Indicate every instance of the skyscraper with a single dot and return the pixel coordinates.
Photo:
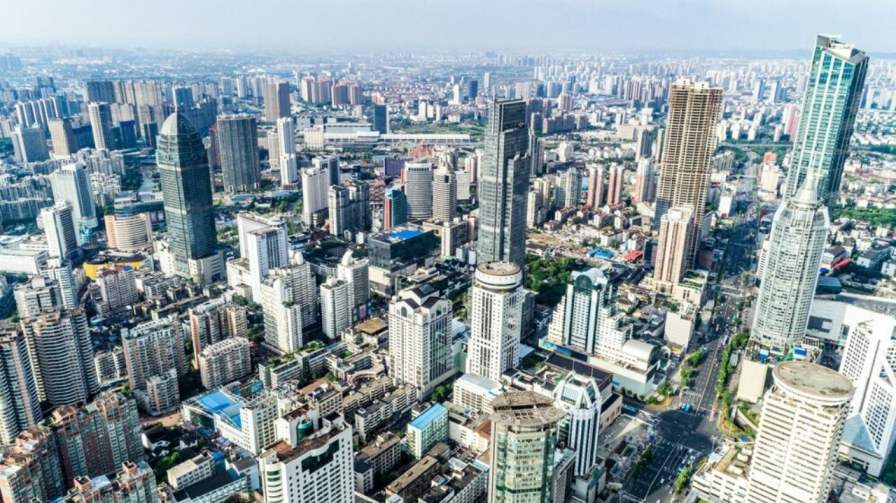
(335, 307)
(645, 184)
(420, 339)
(830, 101)
(799, 431)
(154, 355)
(418, 189)
(579, 397)
(29, 144)
(595, 197)
(19, 402)
(101, 124)
(799, 231)
(61, 356)
(444, 194)
(525, 427)
(694, 110)
(276, 99)
(503, 184)
(395, 208)
(355, 272)
(315, 182)
(381, 118)
(614, 185)
(63, 137)
(571, 187)
(59, 227)
(289, 173)
(238, 149)
(71, 184)
(496, 319)
(676, 230)
(264, 243)
(187, 196)
(289, 301)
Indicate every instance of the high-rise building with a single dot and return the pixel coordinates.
(128, 233)
(264, 243)
(870, 430)
(689, 142)
(381, 119)
(571, 187)
(63, 137)
(276, 100)
(101, 125)
(418, 189)
(237, 137)
(225, 361)
(420, 338)
(134, 481)
(95, 438)
(99, 90)
(59, 227)
(645, 182)
(29, 144)
(154, 355)
(118, 289)
(289, 167)
(187, 196)
(339, 210)
(61, 356)
(315, 182)
(595, 187)
(444, 195)
(216, 320)
(503, 184)
(19, 402)
(831, 100)
(335, 307)
(60, 271)
(36, 296)
(314, 467)
(676, 228)
(355, 272)
(71, 184)
(287, 295)
(524, 434)
(799, 432)
(614, 185)
(496, 319)
(395, 208)
(578, 396)
(799, 232)
(329, 164)
(30, 469)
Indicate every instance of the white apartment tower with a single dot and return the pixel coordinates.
(335, 307)
(420, 338)
(497, 308)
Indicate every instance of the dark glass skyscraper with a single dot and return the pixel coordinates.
(503, 185)
(237, 142)
(381, 118)
(186, 192)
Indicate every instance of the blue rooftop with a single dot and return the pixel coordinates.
(403, 234)
(428, 416)
(221, 404)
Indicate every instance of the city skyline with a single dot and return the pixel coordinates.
(691, 25)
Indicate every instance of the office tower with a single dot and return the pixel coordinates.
(286, 138)
(100, 115)
(182, 97)
(61, 356)
(276, 100)
(315, 183)
(95, 438)
(870, 430)
(354, 271)
(645, 183)
(571, 187)
(63, 137)
(676, 228)
(688, 146)
(187, 195)
(19, 401)
(289, 302)
(418, 189)
(128, 233)
(213, 321)
(536, 154)
(444, 195)
(30, 468)
(154, 355)
(225, 361)
(335, 307)
(29, 144)
(395, 208)
(99, 90)
(59, 227)
(595, 187)
(381, 118)
(495, 320)
(71, 184)
(797, 240)
(133, 482)
(339, 207)
(578, 396)
(830, 102)
(524, 434)
(799, 432)
(420, 339)
(238, 148)
(313, 468)
(264, 243)
(504, 182)
(614, 185)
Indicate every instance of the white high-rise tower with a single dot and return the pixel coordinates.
(497, 308)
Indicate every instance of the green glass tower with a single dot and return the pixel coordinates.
(186, 192)
(830, 102)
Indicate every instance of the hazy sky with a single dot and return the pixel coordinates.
(528, 25)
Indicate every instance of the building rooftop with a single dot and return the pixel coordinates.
(813, 381)
(428, 416)
(525, 408)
